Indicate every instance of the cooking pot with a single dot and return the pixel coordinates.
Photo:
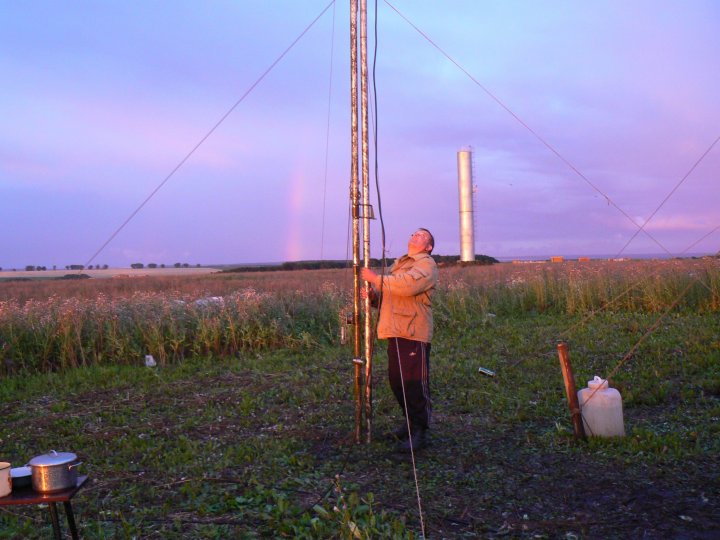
(54, 471)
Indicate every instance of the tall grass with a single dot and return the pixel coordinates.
(575, 288)
(61, 333)
(173, 319)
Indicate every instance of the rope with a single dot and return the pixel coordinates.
(327, 135)
(528, 128)
(412, 452)
(207, 135)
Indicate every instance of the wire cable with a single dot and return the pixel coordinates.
(207, 135)
(647, 334)
(409, 430)
(528, 128)
(642, 227)
(566, 162)
(696, 242)
(375, 142)
(327, 135)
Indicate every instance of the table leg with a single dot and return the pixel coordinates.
(71, 520)
(55, 520)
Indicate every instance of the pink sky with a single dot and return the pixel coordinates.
(95, 116)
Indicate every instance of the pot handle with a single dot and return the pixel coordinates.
(73, 465)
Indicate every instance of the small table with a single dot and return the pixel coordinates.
(27, 495)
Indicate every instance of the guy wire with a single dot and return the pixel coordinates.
(527, 127)
(207, 135)
(642, 227)
(566, 161)
(629, 288)
(327, 135)
(647, 334)
(655, 325)
(633, 285)
(696, 242)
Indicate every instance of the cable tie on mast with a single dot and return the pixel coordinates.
(368, 211)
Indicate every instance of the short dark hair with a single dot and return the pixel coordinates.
(432, 239)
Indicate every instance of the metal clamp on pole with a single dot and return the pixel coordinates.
(367, 211)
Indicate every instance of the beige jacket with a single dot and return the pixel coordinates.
(406, 308)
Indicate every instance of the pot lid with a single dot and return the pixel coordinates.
(53, 458)
(17, 472)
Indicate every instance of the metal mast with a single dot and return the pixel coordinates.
(366, 213)
(360, 211)
(355, 201)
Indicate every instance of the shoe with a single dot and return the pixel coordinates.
(414, 443)
(399, 434)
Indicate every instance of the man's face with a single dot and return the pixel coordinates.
(419, 242)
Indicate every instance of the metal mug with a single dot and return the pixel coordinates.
(5, 479)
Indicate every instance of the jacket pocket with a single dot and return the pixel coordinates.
(404, 321)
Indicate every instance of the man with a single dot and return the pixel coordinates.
(406, 322)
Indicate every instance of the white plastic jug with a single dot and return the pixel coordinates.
(601, 408)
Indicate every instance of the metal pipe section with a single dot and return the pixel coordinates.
(355, 202)
(465, 190)
(366, 214)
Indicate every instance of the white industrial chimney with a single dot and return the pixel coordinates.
(465, 189)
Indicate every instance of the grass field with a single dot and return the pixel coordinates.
(244, 429)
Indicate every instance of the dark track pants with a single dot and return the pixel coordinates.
(414, 357)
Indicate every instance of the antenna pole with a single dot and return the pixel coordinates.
(366, 214)
(355, 202)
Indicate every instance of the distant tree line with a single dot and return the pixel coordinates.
(34, 268)
(139, 266)
(38, 268)
(442, 260)
(455, 259)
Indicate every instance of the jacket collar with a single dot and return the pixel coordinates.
(415, 257)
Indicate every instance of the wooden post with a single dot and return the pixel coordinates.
(570, 390)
